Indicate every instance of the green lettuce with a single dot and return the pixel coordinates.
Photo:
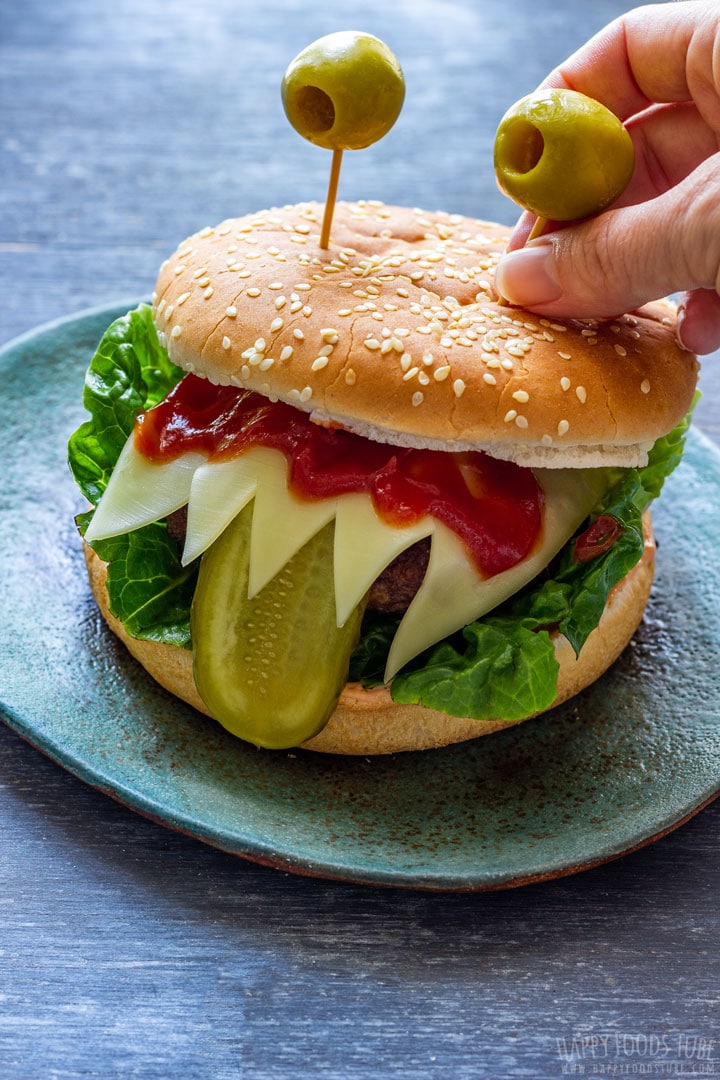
(149, 590)
(500, 666)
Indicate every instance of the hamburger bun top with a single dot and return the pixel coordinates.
(396, 332)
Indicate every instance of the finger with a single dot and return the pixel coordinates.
(651, 54)
(698, 324)
(670, 142)
(623, 258)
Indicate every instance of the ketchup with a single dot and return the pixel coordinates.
(495, 507)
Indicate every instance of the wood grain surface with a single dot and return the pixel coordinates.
(128, 950)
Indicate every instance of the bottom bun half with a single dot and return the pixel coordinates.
(369, 721)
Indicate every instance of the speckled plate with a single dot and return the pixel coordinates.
(627, 761)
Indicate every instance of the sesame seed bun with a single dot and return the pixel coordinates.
(396, 332)
(369, 721)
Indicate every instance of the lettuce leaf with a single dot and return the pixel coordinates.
(148, 588)
(129, 372)
(501, 666)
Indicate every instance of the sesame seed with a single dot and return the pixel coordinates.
(510, 416)
(319, 363)
(423, 378)
(410, 374)
(372, 344)
(276, 324)
(565, 383)
(329, 334)
(458, 388)
(208, 292)
(521, 395)
(418, 398)
(645, 386)
(441, 373)
(260, 345)
(298, 334)
(565, 356)
(303, 287)
(266, 363)
(507, 365)
(620, 350)
(231, 311)
(226, 343)
(307, 311)
(176, 331)
(521, 422)
(489, 379)
(546, 440)
(280, 303)
(253, 292)
(306, 393)
(295, 307)
(581, 394)
(563, 427)
(345, 311)
(286, 353)
(350, 377)
(406, 361)
(200, 272)
(181, 299)
(325, 350)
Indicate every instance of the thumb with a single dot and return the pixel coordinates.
(622, 258)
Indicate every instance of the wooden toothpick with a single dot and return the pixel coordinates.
(537, 229)
(330, 198)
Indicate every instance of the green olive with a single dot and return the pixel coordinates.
(562, 155)
(344, 91)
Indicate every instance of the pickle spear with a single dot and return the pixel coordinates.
(270, 669)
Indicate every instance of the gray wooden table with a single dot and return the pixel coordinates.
(125, 949)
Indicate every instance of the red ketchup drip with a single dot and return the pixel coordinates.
(495, 507)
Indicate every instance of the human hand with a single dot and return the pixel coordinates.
(654, 67)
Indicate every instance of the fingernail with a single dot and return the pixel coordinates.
(527, 276)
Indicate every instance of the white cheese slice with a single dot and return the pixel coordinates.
(281, 523)
(141, 491)
(218, 492)
(364, 546)
(454, 594)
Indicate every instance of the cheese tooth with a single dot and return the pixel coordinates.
(453, 593)
(282, 523)
(219, 491)
(364, 546)
(141, 491)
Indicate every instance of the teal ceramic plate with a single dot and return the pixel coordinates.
(625, 762)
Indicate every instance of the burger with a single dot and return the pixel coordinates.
(348, 499)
